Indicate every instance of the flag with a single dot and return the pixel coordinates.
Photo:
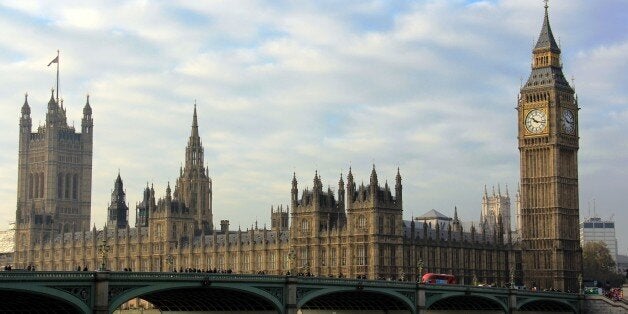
(55, 60)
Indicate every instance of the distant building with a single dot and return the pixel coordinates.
(7, 246)
(495, 208)
(434, 217)
(596, 229)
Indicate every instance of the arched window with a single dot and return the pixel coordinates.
(67, 185)
(75, 186)
(60, 185)
(41, 185)
(36, 185)
(174, 230)
(305, 225)
(30, 186)
(361, 222)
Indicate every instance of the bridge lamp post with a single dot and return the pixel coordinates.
(170, 261)
(103, 248)
(512, 276)
(420, 268)
(292, 256)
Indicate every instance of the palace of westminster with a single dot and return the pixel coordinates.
(359, 232)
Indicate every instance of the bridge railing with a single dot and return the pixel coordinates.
(18, 275)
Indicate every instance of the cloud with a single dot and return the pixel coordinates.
(429, 87)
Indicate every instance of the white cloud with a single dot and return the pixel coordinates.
(281, 87)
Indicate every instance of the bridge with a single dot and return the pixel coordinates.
(104, 292)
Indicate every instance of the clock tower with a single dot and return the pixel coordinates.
(548, 146)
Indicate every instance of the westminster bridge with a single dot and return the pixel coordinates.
(104, 292)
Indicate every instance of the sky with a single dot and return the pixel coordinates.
(304, 86)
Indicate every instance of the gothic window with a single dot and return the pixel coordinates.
(174, 230)
(305, 226)
(286, 261)
(272, 261)
(36, 186)
(246, 262)
(391, 224)
(382, 256)
(67, 185)
(159, 230)
(303, 258)
(221, 262)
(343, 257)
(333, 257)
(381, 225)
(30, 186)
(258, 261)
(323, 257)
(232, 264)
(75, 187)
(361, 222)
(361, 255)
(59, 185)
(41, 185)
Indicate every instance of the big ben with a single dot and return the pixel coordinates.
(548, 146)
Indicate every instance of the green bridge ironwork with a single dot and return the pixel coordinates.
(104, 292)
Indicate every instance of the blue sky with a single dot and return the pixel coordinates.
(282, 86)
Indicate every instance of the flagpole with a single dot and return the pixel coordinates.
(57, 76)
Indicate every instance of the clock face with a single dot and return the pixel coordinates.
(568, 121)
(536, 121)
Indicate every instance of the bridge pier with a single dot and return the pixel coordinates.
(512, 301)
(101, 297)
(420, 299)
(291, 295)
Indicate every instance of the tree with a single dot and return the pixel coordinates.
(598, 264)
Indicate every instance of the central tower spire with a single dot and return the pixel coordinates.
(194, 150)
(194, 184)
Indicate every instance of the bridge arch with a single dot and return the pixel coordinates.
(350, 298)
(20, 299)
(225, 295)
(546, 305)
(467, 302)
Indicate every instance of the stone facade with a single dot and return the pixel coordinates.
(362, 235)
(496, 209)
(548, 146)
(54, 178)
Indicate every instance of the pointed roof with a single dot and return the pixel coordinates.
(373, 176)
(26, 109)
(546, 38)
(433, 214)
(52, 104)
(294, 180)
(194, 122)
(87, 110)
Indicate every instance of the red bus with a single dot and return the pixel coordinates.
(438, 279)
